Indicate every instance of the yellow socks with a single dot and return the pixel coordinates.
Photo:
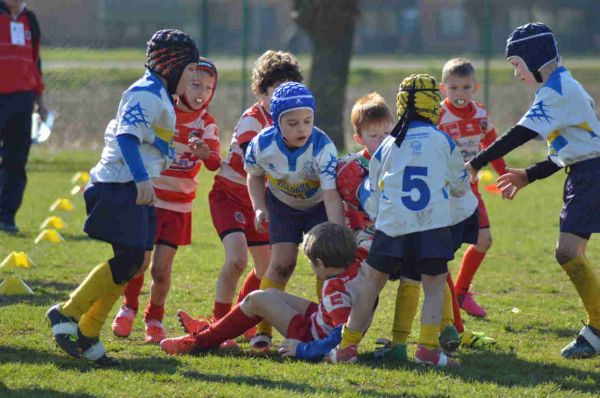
(92, 321)
(350, 337)
(588, 287)
(266, 283)
(429, 335)
(90, 290)
(319, 289)
(447, 312)
(407, 301)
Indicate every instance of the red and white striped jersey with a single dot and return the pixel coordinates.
(470, 128)
(176, 187)
(253, 120)
(334, 308)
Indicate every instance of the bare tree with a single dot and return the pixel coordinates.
(330, 24)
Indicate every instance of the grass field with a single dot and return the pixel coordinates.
(533, 312)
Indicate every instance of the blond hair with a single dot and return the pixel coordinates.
(367, 109)
(458, 67)
(274, 67)
(333, 244)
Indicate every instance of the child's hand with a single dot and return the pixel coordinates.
(261, 217)
(511, 182)
(199, 148)
(288, 347)
(472, 173)
(145, 193)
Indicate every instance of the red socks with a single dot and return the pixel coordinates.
(470, 263)
(132, 292)
(220, 310)
(229, 327)
(251, 283)
(154, 311)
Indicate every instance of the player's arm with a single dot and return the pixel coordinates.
(333, 206)
(457, 177)
(327, 166)
(488, 139)
(256, 186)
(514, 138)
(515, 179)
(314, 350)
(211, 138)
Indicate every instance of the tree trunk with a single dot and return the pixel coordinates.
(330, 24)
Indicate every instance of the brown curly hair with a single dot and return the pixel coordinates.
(274, 67)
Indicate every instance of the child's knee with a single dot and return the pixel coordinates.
(565, 253)
(283, 270)
(253, 298)
(161, 275)
(126, 263)
(237, 263)
(484, 242)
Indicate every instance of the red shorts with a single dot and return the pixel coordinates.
(231, 211)
(484, 221)
(173, 228)
(299, 327)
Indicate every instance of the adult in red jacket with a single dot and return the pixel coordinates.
(21, 87)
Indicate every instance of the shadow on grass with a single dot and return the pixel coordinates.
(62, 361)
(6, 392)
(267, 383)
(507, 370)
(46, 294)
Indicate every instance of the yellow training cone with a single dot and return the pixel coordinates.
(81, 177)
(12, 286)
(15, 260)
(62, 204)
(76, 189)
(486, 176)
(53, 222)
(49, 235)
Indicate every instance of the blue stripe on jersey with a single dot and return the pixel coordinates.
(445, 193)
(266, 138)
(320, 141)
(377, 154)
(554, 81)
(164, 147)
(558, 143)
(292, 155)
(149, 83)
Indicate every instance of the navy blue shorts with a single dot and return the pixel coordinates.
(287, 224)
(114, 217)
(466, 231)
(580, 214)
(425, 252)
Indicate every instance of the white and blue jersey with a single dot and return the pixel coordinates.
(297, 177)
(411, 185)
(565, 115)
(146, 112)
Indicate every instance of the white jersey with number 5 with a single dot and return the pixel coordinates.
(411, 185)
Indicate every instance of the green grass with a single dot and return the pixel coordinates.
(519, 272)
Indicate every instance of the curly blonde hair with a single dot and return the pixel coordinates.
(274, 67)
